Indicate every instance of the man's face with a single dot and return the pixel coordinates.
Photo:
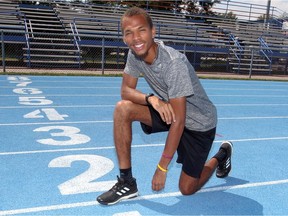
(138, 35)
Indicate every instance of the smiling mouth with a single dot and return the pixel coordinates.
(139, 46)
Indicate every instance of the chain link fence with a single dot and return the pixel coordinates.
(66, 53)
(57, 42)
(23, 51)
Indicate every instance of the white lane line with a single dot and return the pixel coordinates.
(55, 150)
(248, 89)
(111, 121)
(218, 105)
(257, 96)
(133, 146)
(252, 117)
(113, 105)
(145, 197)
(80, 95)
(60, 106)
(76, 149)
(49, 123)
(146, 86)
(129, 213)
(118, 95)
(92, 87)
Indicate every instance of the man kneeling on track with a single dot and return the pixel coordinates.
(181, 107)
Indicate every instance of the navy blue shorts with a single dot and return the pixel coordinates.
(194, 146)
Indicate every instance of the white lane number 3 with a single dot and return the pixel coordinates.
(66, 135)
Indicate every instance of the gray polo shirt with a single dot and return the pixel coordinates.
(172, 76)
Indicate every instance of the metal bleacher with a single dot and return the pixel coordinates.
(250, 35)
(10, 18)
(49, 43)
(212, 36)
(13, 23)
(98, 26)
(101, 21)
(64, 34)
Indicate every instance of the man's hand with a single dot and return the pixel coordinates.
(164, 109)
(159, 179)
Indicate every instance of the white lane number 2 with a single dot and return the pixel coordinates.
(85, 182)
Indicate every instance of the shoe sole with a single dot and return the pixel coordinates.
(130, 196)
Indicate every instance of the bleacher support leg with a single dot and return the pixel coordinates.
(251, 63)
(286, 66)
(3, 51)
(103, 55)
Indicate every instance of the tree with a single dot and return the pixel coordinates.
(229, 15)
(207, 5)
(262, 17)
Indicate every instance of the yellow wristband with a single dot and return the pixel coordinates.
(161, 168)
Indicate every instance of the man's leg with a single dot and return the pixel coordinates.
(189, 185)
(125, 113)
(221, 161)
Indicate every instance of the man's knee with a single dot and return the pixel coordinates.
(188, 189)
(188, 185)
(122, 108)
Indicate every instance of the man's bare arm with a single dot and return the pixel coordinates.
(129, 91)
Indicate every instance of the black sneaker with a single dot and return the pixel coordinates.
(120, 191)
(224, 166)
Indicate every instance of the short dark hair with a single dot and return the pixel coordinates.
(133, 11)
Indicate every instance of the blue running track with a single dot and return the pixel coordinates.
(57, 153)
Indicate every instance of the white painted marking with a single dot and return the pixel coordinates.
(60, 106)
(249, 89)
(52, 123)
(81, 87)
(111, 121)
(130, 213)
(87, 181)
(113, 105)
(78, 95)
(146, 197)
(118, 95)
(251, 105)
(256, 96)
(51, 113)
(133, 146)
(71, 87)
(253, 117)
(75, 149)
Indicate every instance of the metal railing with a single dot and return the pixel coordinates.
(3, 51)
(27, 36)
(103, 52)
(76, 40)
(266, 51)
(237, 49)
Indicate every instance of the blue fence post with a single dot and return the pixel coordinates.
(103, 55)
(3, 51)
(251, 63)
(286, 67)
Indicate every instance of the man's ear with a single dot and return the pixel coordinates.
(124, 42)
